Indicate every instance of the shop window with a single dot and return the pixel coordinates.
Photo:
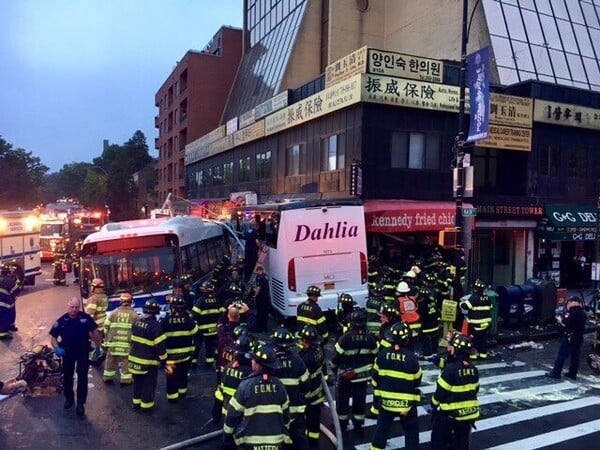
(244, 169)
(295, 163)
(549, 160)
(228, 173)
(577, 163)
(263, 166)
(333, 152)
(410, 150)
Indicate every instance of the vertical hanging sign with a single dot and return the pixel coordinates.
(478, 74)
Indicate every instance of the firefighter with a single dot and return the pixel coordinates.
(388, 284)
(313, 356)
(258, 413)
(97, 304)
(373, 271)
(444, 280)
(396, 379)
(454, 404)
(181, 286)
(117, 327)
(233, 373)
(207, 312)
(430, 315)
(76, 258)
(206, 288)
(388, 316)
(373, 308)
(409, 311)
(147, 352)
(180, 328)
(477, 310)
(295, 377)
(410, 278)
(7, 303)
(352, 364)
(310, 313)
(345, 307)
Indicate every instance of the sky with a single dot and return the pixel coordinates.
(76, 72)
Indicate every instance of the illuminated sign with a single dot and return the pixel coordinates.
(508, 138)
(567, 115)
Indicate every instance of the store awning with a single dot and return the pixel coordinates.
(401, 216)
(571, 216)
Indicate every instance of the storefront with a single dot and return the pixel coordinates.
(566, 244)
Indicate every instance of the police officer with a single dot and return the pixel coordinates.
(180, 328)
(396, 381)
(373, 308)
(310, 313)
(573, 323)
(207, 312)
(295, 377)
(71, 338)
(477, 310)
(117, 328)
(352, 363)
(454, 404)
(313, 356)
(258, 413)
(147, 352)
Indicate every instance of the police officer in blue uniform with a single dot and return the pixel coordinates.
(71, 336)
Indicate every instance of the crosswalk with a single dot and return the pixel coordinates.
(520, 409)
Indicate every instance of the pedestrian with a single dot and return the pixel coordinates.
(454, 404)
(72, 335)
(310, 313)
(180, 328)
(148, 351)
(573, 325)
(477, 310)
(258, 413)
(396, 380)
(262, 299)
(117, 328)
(352, 363)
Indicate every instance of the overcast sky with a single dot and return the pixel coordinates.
(76, 72)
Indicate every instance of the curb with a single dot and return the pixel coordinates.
(499, 340)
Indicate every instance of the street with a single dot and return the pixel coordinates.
(521, 408)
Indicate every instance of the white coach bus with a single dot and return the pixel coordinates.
(321, 243)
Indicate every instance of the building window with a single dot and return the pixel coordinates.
(485, 162)
(549, 161)
(244, 169)
(295, 163)
(263, 166)
(410, 150)
(577, 163)
(333, 152)
(200, 178)
(228, 173)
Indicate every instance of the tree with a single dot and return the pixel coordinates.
(22, 177)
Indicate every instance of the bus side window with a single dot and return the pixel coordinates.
(271, 233)
(203, 258)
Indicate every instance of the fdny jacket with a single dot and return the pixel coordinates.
(479, 311)
(314, 359)
(179, 329)
(310, 313)
(373, 307)
(396, 378)
(258, 413)
(355, 351)
(96, 307)
(428, 310)
(456, 391)
(207, 312)
(233, 374)
(296, 379)
(147, 345)
(117, 327)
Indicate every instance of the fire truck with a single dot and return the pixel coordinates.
(20, 244)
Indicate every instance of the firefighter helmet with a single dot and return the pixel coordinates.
(207, 286)
(478, 285)
(346, 299)
(177, 301)
(97, 283)
(410, 275)
(403, 288)
(265, 355)
(310, 334)
(378, 289)
(373, 259)
(151, 307)
(240, 330)
(283, 338)
(430, 277)
(358, 318)
(416, 269)
(389, 309)
(398, 333)
(462, 343)
(313, 291)
(244, 344)
(126, 298)
(234, 288)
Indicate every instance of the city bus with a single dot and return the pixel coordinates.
(321, 243)
(20, 244)
(144, 256)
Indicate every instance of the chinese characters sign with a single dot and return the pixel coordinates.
(568, 115)
(511, 111)
(346, 67)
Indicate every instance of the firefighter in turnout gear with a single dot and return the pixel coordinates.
(180, 328)
(454, 404)
(313, 356)
(444, 280)
(373, 271)
(234, 373)
(206, 289)
(373, 308)
(430, 316)
(389, 285)
(207, 312)
(97, 303)
(181, 286)
(352, 363)
(345, 307)
(147, 352)
(409, 311)
(388, 316)
(396, 379)
(117, 341)
(477, 310)
(295, 377)
(310, 313)
(258, 413)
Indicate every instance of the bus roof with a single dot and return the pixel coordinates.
(301, 204)
(188, 228)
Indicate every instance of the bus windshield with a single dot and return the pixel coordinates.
(50, 229)
(140, 272)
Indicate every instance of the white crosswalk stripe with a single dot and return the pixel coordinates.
(510, 396)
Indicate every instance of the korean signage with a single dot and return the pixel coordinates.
(479, 87)
(346, 67)
(254, 131)
(271, 105)
(404, 66)
(567, 115)
(508, 138)
(327, 101)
